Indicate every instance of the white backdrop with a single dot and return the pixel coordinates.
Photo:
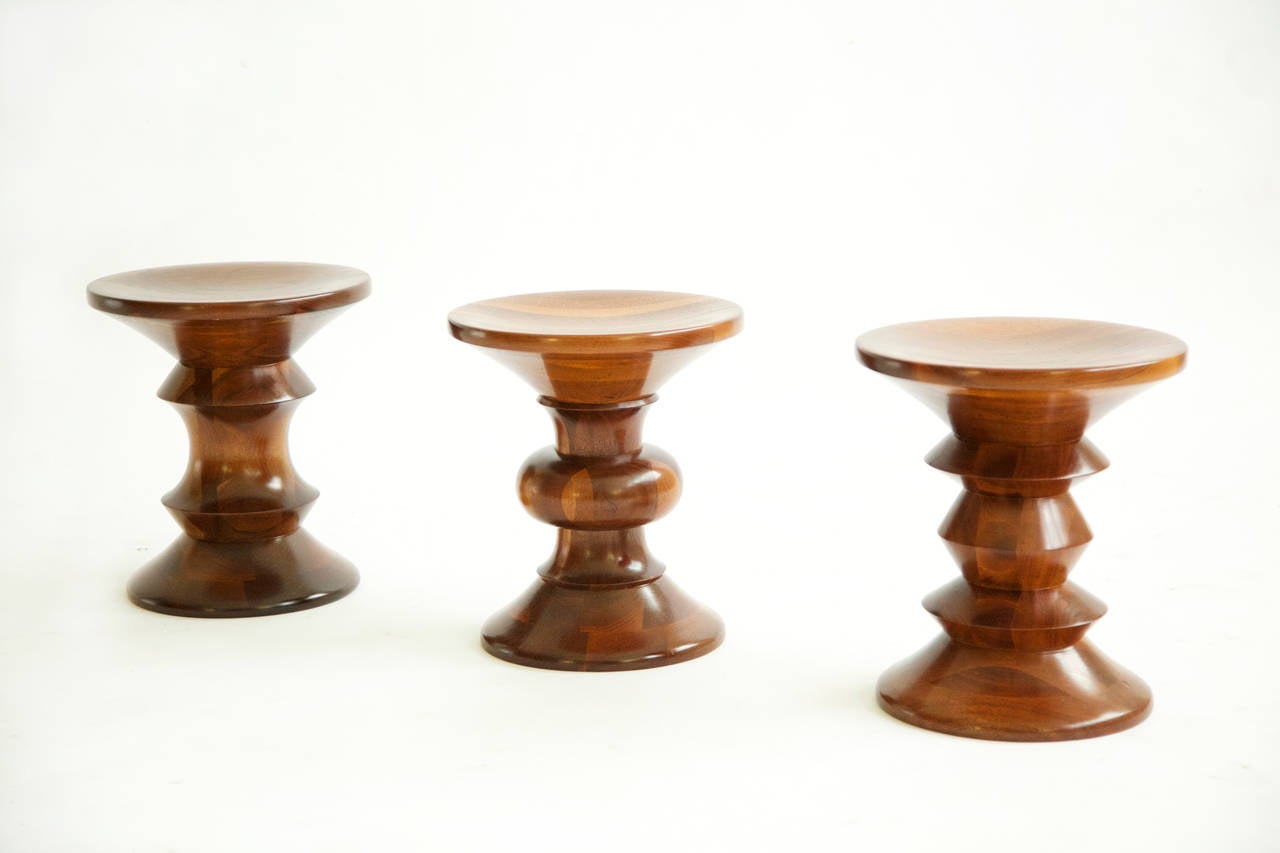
(830, 166)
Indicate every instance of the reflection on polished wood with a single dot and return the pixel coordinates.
(1018, 393)
(233, 329)
(597, 359)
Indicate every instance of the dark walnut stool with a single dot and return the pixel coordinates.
(233, 329)
(597, 357)
(1019, 393)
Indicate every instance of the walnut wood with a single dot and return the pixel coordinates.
(233, 329)
(597, 358)
(1018, 393)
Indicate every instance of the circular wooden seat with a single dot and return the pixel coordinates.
(228, 291)
(596, 321)
(1022, 352)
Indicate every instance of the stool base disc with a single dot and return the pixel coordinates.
(602, 629)
(1006, 694)
(234, 579)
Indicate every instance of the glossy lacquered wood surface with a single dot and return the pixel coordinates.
(602, 602)
(1018, 394)
(1038, 353)
(229, 291)
(233, 329)
(596, 321)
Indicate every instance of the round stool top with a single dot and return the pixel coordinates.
(1022, 352)
(233, 291)
(596, 321)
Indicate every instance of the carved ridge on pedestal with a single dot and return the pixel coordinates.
(251, 385)
(1015, 533)
(240, 484)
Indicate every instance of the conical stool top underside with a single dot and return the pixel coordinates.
(596, 347)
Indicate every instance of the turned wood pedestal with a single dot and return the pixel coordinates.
(233, 329)
(1018, 393)
(597, 358)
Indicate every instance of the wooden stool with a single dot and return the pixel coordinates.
(233, 328)
(597, 357)
(1019, 394)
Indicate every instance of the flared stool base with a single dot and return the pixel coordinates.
(1005, 694)
(234, 579)
(586, 629)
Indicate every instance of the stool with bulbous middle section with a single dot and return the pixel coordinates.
(1018, 393)
(597, 358)
(234, 329)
